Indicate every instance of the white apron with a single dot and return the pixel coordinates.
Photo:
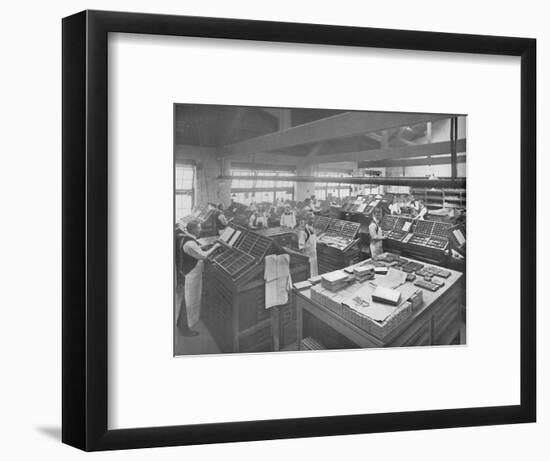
(310, 250)
(193, 294)
(376, 248)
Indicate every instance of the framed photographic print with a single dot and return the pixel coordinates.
(279, 230)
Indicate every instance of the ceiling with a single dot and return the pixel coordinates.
(220, 127)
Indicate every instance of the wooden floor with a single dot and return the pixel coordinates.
(192, 345)
(204, 343)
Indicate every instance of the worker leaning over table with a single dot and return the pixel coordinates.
(421, 212)
(307, 242)
(377, 235)
(190, 263)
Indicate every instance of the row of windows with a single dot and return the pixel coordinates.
(185, 189)
(255, 189)
(246, 198)
(325, 189)
(258, 190)
(255, 181)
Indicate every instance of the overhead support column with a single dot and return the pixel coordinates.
(285, 120)
(224, 185)
(304, 189)
(429, 132)
(385, 141)
(454, 132)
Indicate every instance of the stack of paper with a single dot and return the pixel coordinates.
(393, 279)
(363, 273)
(386, 296)
(314, 280)
(302, 285)
(334, 281)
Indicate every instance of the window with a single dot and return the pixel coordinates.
(260, 190)
(337, 190)
(185, 190)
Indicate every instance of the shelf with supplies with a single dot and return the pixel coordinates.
(441, 198)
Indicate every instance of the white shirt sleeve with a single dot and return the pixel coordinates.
(301, 239)
(292, 221)
(193, 249)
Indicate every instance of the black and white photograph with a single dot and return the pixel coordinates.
(308, 229)
(275, 231)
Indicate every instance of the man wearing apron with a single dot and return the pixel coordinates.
(288, 218)
(307, 242)
(221, 220)
(376, 233)
(190, 260)
(258, 219)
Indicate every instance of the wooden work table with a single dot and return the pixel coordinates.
(437, 321)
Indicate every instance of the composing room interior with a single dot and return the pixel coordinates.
(303, 229)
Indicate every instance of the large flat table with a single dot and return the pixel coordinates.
(437, 321)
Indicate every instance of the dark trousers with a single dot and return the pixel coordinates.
(181, 320)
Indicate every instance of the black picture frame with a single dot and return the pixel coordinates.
(85, 224)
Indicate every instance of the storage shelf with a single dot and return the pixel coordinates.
(441, 198)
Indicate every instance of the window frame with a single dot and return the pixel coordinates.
(184, 191)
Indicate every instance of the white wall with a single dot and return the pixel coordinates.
(30, 188)
(208, 187)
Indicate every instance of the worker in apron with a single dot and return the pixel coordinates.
(258, 219)
(421, 212)
(190, 260)
(221, 220)
(307, 242)
(288, 218)
(377, 235)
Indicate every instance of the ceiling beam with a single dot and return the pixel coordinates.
(267, 159)
(457, 183)
(316, 149)
(283, 116)
(411, 162)
(436, 148)
(374, 136)
(337, 126)
(274, 111)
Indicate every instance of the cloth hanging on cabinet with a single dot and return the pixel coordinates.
(278, 280)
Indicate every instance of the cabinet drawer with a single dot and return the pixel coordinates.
(420, 336)
(444, 316)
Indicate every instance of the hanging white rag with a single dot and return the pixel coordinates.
(278, 281)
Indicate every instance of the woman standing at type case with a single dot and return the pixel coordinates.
(307, 242)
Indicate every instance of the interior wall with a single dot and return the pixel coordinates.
(208, 188)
